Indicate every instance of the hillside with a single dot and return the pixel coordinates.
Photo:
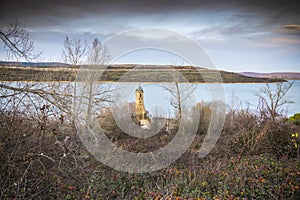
(283, 75)
(32, 64)
(134, 73)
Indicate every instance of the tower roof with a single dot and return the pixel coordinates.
(140, 89)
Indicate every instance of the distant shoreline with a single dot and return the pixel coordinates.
(119, 82)
(283, 75)
(134, 74)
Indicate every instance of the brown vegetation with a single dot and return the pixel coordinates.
(241, 165)
(42, 157)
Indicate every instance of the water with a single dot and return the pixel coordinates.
(236, 95)
(157, 99)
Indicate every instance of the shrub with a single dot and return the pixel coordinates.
(254, 137)
(295, 119)
(205, 116)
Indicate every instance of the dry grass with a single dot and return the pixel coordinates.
(61, 168)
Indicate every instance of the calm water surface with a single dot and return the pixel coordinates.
(235, 95)
(157, 99)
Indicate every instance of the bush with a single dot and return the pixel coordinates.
(253, 136)
(241, 121)
(205, 116)
(295, 119)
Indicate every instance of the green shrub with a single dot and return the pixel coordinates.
(295, 119)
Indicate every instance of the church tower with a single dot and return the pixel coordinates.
(139, 104)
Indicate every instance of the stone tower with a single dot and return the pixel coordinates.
(140, 110)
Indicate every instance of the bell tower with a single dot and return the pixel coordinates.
(139, 104)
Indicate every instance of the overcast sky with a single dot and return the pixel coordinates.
(262, 36)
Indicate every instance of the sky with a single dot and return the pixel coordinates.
(243, 35)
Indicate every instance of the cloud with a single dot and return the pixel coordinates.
(288, 30)
(202, 19)
(292, 26)
(285, 41)
(241, 26)
(61, 13)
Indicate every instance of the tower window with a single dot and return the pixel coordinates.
(140, 95)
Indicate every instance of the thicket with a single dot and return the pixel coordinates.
(42, 157)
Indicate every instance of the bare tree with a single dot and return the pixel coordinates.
(73, 51)
(98, 53)
(273, 98)
(18, 43)
(179, 93)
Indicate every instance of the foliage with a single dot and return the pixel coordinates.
(295, 119)
(42, 157)
(271, 138)
(64, 169)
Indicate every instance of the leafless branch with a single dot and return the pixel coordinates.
(98, 53)
(18, 42)
(274, 98)
(73, 51)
